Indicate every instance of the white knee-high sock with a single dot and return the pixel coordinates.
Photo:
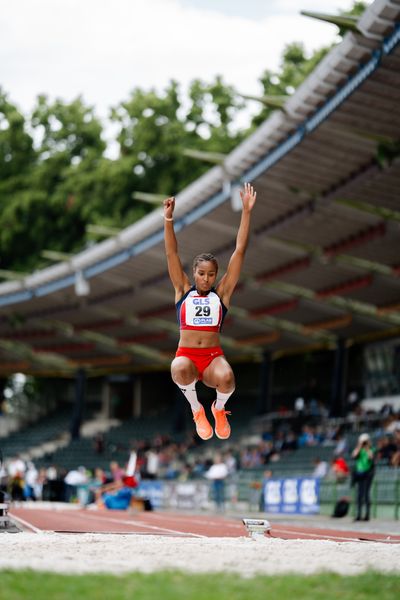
(189, 391)
(222, 399)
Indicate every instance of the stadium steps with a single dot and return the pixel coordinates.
(118, 441)
(46, 430)
(43, 437)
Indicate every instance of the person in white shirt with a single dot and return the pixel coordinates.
(31, 478)
(16, 467)
(217, 473)
(321, 468)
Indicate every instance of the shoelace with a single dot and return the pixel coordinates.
(225, 412)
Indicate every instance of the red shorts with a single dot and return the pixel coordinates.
(201, 357)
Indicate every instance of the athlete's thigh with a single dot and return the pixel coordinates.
(217, 371)
(182, 366)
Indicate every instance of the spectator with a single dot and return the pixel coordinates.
(231, 462)
(40, 482)
(217, 473)
(118, 494)
(395, 460)
(186, 473)
(16, 472)
(16, 467)
(353, 401)
(3, 476)
(299, 405)
(393, 424)
(364, 455)
(16, 487)
(51, 473)
(152, 464)
(307, 437)
(340, 468)
(96, 482)
(386, 410)
(321, 468)
(385, 449)
(118, 500)
(31, 479)
(53, 484)
(117, 473)
(73, 480)
(290, 442)
(313, 408)
(341, 444)
(98, 443)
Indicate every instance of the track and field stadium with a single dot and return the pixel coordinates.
(322, 280)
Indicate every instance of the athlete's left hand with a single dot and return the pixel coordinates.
(248, 196)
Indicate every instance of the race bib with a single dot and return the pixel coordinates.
(203, 311)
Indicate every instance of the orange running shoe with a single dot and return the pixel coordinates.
(203, 427)
(222, 427)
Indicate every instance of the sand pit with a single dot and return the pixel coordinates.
(110, 553)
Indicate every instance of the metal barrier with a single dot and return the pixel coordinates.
(385, 496)
(385, 492)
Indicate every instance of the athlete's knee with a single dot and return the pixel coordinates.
(226, 380)
(183, 372)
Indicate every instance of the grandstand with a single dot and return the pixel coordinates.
(321, 276)
(41, 437)
(48, 429)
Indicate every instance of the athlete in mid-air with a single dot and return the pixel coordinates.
(201, 309)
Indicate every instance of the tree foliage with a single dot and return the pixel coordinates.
(56, 176)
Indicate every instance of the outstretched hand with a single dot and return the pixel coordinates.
(248, 196)
(169, 205)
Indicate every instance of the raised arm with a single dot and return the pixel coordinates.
(366, 446)
(228, 282)
(179, 279)
(356, 450)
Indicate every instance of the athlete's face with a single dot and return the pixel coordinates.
(204, 275)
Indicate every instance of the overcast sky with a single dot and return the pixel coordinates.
(102, 49)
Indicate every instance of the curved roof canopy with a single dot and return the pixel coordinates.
(324, 257)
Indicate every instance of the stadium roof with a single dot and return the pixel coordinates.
(324, 256)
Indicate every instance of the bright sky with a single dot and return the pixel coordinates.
(103, 49)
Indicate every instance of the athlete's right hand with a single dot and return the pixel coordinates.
(169, 205)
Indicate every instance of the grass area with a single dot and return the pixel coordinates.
(33, 585)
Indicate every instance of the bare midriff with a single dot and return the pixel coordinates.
(198, 339)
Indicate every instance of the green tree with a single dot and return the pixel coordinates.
(36, 200)
(16, 145)
(212, 112)
(156, 127)
(70, 131)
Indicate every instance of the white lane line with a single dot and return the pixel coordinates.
(133, 533)
(26, 524)
(325, 537)
(196, 519)
(138, 524)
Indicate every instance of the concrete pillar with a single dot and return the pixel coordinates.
(264, 404)
(339, 379)
(105, 399)
(80, 385)
(137, 396)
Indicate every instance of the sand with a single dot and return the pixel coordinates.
(110, 553)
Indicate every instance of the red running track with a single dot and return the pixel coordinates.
(171, 524)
